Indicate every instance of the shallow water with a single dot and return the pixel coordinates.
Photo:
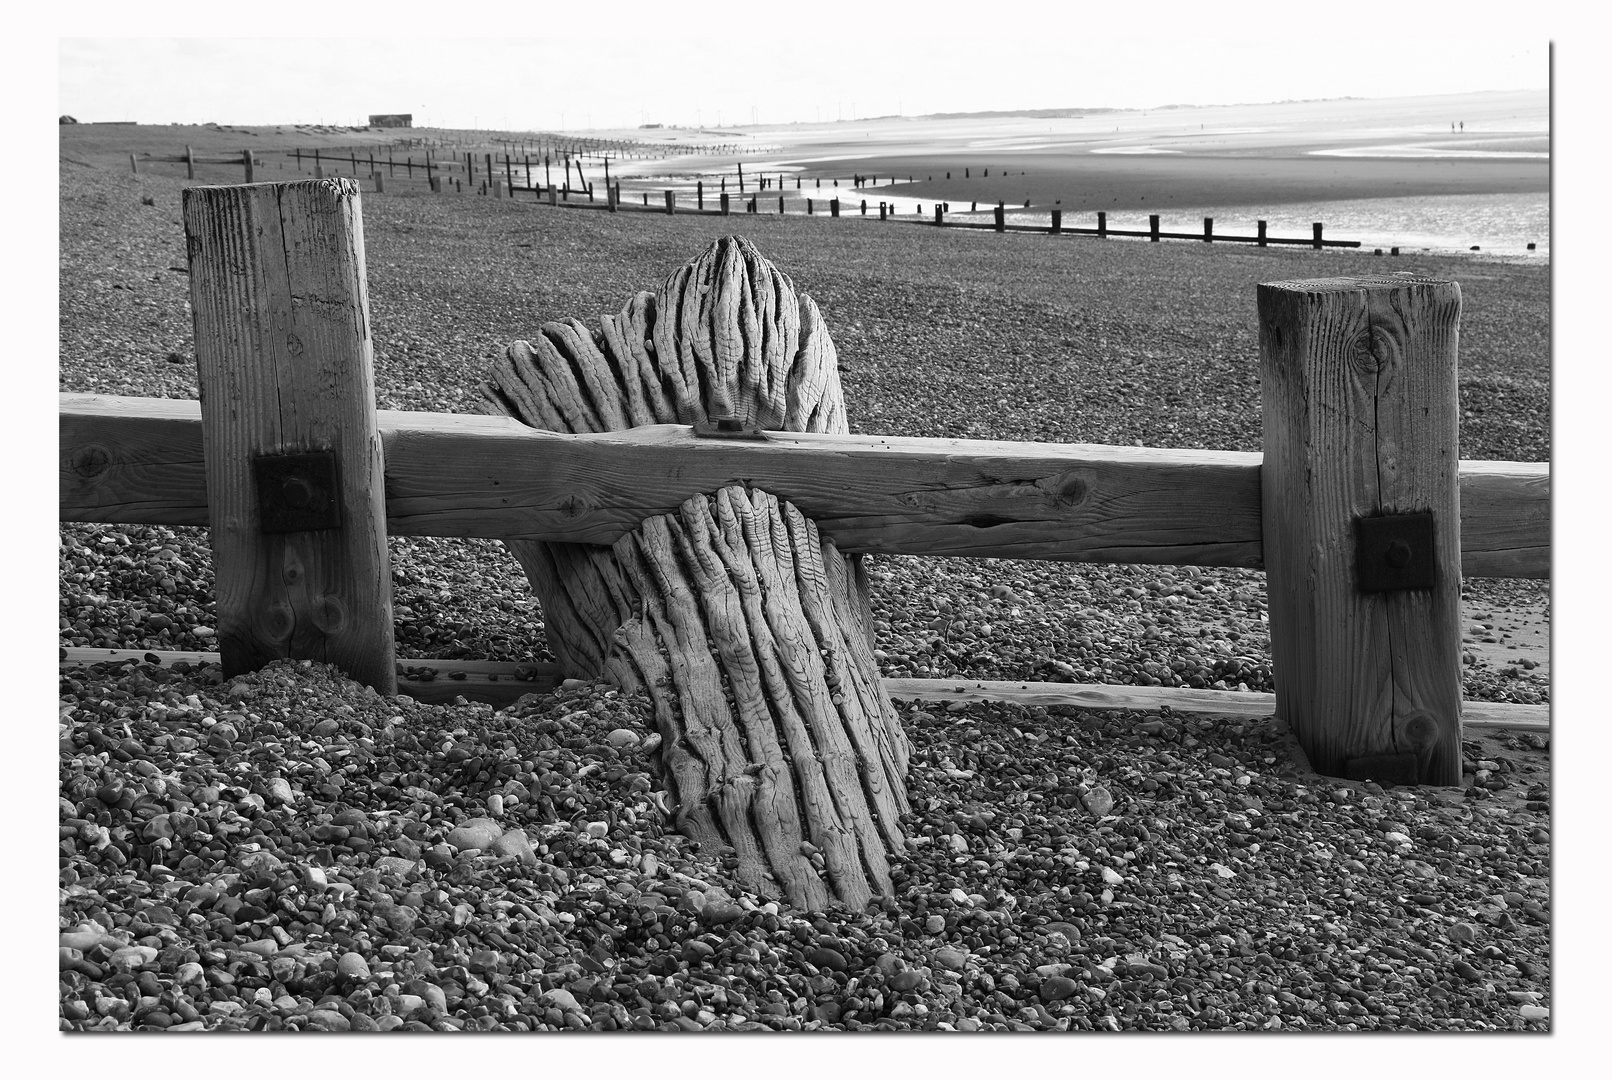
(1496, 224)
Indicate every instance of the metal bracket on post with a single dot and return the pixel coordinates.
(728, 428)
(297, 492)
(1395, 552)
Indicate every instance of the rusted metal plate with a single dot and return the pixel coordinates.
(1395, 552)
(297, 492)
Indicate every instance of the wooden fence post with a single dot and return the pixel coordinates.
(380, 182)
(938, 219)
(134, 166)
(1262, 234)
(190, 163)
(864, 206)
(553, 197)
(833, 208)
(1208, 230)
(1000, 214)
(1362, 522)
(809, 206)
(1153, 228)
(612, 194)
(1102, 225)
(724, 204)
(1316, 229)
(882, 210)
(671, 202)
(295, 476)
(699, 193)
(780, 204)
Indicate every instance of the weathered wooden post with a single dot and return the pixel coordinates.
(699, 194)
(1208, 230)
(809, 206)
(295, 477)
(780, 204)
(833, 208)
(498, 188)
(1261, 233)
(999, 213)
(864, 208)
(1362, 522)
(724, 204)
(671, 202)
(1057, 221)
(134, 166)
(436, 184)
(612, 195)
(553, 196)
(938, 219)
(882, 210)
(1102, 225)
(1153, 228)
(380, 182)
(190, 163)
(1315, 228)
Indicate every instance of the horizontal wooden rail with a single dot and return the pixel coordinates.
(139, 461)
(502, 683)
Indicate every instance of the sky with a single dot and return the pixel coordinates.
(708, 76)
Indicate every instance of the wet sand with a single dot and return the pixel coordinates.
(1255, 155)
(1090, 182)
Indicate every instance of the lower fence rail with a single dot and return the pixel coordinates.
(501, 683)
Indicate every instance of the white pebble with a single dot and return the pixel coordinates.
(495, 805)
(598, 830)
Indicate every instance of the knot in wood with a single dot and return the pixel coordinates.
(1417, 731)
(91, 461)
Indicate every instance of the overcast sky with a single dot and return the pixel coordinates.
(619, 72)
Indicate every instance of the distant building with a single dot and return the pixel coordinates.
(391, 120)
(67, 120)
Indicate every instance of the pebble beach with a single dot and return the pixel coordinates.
(288, 850)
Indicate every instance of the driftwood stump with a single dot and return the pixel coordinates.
(750, 632)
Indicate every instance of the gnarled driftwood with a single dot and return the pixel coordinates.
(750, 632)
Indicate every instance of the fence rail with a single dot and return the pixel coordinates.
(139, 461)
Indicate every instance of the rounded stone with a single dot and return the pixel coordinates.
(352, 965)
(477, 832)
(1058, 987)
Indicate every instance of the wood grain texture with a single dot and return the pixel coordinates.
(497, 683)
(1359, 385)
(1505, 519)
(768, 744)
(284, 362)
(138, 461)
